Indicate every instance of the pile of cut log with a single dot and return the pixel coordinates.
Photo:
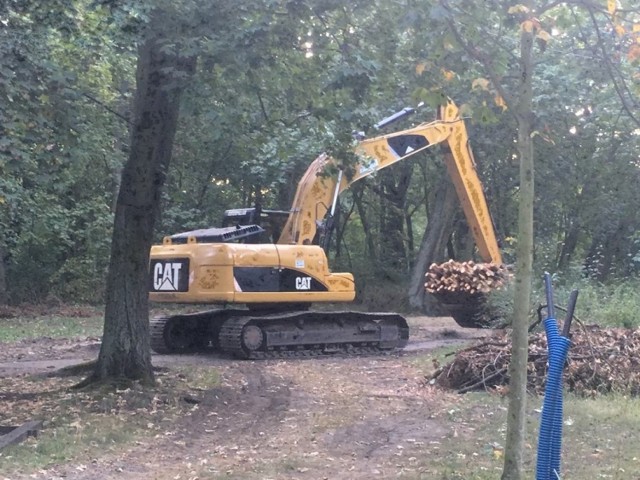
(468, 277)
(461, 288)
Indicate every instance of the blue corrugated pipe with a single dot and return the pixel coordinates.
(550, 435)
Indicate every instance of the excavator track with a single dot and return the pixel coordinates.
(262, 335)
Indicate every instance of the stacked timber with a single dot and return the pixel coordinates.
(462, 289)
(468, 277)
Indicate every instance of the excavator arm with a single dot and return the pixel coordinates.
(320, 186)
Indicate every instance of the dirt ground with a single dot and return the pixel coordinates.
(322, 418)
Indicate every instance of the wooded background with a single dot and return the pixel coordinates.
(277, 82)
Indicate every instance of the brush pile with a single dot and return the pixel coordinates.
(600, 361)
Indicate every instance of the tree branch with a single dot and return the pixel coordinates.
(619, 84)
(480, 57)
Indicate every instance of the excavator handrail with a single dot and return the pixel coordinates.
(316, 190)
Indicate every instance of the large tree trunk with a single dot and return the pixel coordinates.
(433, 245)
(125, 351)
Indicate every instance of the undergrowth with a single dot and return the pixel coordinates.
(610, 305)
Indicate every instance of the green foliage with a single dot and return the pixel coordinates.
(615, 305)
(279, 82)
(57, 157)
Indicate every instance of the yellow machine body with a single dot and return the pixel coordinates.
(226, 273)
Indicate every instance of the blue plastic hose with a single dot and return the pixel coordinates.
(550, 435)
(547, 423)
(557, 361)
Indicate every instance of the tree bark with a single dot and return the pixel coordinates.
(569, 245)
(4, 296)
(125, 351)
(433, 245)
(394, 189)
(516, 417)
(366, 227)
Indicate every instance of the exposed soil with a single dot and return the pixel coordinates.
(333, 417)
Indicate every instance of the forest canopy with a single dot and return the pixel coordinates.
(277, 82)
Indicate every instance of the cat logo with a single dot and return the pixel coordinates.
(166, 276)
(303, 283)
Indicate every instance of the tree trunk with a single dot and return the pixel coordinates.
(605, 248)
(432, 247)
(516, 425)
(125, 351)
(394, 188)
(4, 296)
(569, 244)
(366, 227)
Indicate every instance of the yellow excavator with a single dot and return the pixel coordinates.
(264, 268)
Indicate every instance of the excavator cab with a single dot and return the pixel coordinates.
(270, 222)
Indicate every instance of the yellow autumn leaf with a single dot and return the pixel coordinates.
(500, 102)
(480, 83)
(447, 74)
(634, 53)
(619, 30)
(420, 68)
(546, 138)
(527, 26)
(518, 9)
(544, 35)
(2, 201)
(611, 6)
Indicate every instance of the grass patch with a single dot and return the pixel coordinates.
(82, 425)
(55, 326)
(599, 439)
(428, 363)
(88, 436)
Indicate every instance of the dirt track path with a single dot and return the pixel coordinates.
(333, 418)
(39, 355)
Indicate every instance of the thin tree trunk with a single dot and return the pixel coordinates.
(516, 417)
(569, 245)
(394, 189)
(125, 351)
(4, 295)
(366, 227)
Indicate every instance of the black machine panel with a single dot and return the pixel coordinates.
(405, 144)
(218, 235)
(269, 279)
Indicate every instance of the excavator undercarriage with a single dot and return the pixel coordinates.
(256, 334)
